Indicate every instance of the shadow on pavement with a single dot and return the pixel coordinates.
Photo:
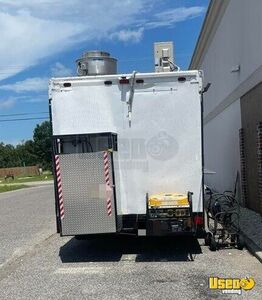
(145, 249)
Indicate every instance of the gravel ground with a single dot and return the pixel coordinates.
(251, 225)
(126, 268)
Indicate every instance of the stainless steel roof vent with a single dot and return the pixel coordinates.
(96, 63)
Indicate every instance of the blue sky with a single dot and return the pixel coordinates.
(43, 38)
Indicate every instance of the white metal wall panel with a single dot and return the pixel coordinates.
(86, 110)
(161, 152)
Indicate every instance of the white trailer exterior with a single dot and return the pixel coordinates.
(160, 152)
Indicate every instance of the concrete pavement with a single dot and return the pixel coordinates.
(38, 264)
(27, 216)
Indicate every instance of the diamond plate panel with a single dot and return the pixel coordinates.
(84, 192)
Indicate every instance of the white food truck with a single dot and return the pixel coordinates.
(127, 149)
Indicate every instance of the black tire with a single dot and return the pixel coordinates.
(233, 239)
(208, 238)
(147, 215)
(81, 237)
(213, 244)
(191, 257)
(240, 242)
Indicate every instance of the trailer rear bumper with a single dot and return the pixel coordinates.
(168, 227)
(141, 225)
(159, 227)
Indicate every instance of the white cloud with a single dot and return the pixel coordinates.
(25, 40)
(77, 10)
(34, 84)
(133, 36)
(8, 103)
(12, 101)
(36, 99)
(59, 70)
(172, 16)
(33, 30)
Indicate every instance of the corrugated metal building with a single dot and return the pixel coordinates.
(229, 51)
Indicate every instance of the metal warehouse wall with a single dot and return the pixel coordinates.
(251, 115)
(237, 41)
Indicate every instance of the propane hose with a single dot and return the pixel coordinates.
(224, 209)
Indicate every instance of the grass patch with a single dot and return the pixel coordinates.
(13, 187)
(22, 179)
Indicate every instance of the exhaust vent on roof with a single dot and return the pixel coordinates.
(96, 63)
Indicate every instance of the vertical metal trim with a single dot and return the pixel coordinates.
(57, 213)
(108, 183)
(202, 152)
(114, 187)
(59, 187)
(259, 163)
(243, 170)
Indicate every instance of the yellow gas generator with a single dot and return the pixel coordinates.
(169, 213)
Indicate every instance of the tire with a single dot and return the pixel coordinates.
(240, 242)
(80, 237)
(233, 239)
(213, 244)
(208, 238)
(191, 257)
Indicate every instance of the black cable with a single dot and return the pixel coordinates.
(24, 119)
(24, 114)
(223, 209)
(174, 67)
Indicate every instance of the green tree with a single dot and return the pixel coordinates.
(42, 145)
(32, 152)
(8, 156)
(26, 153)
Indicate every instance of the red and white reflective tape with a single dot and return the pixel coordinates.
(108, 186)
(59, 187)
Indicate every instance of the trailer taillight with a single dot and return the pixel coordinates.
(140, 81)
(198, 220)
(124, 81)
(181, 79)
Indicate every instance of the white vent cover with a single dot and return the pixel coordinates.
(164, 59)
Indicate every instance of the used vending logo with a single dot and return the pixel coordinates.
(162, 146)
(231, 285)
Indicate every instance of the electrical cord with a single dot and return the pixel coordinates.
(174, 66)
(223, 208)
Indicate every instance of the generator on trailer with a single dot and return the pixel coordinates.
(127, 148)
